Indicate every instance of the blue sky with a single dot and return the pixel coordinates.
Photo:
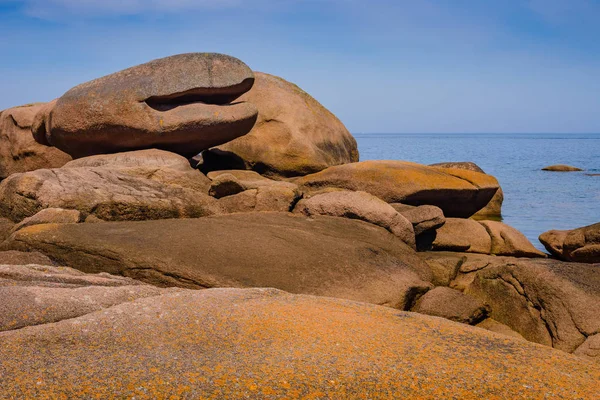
(379, 65)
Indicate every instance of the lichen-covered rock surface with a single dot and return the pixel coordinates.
(263, 343)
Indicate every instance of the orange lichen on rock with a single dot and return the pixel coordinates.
(263, 343)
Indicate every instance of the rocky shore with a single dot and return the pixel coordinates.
(189, 228)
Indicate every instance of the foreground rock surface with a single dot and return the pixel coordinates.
(180, 103)
(579, 245)
(459, 193)
(263, 343)
(324, 256)
(549, 302)
(19, 152)
(294, 134)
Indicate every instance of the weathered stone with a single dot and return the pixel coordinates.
(107, 194)
(546, 301)
(231, 182)
(6, 228)
(459, 234)
(151, 158)
(359, 205)
(50, 216)
(423, 218)
(12, 257)
(551, 302)
(179, 103)
(492, 325)
(276, 198)
(579, 245)
(590, 348)
(263, 343)
(294, 134)
(494, 208)
(33, 294)
(225, 185)
(507, 241)
(239, 203)
(561, 168)
(19, 152)
(157, 165)
(443, 269)
(324, 256)
(453, 305)
(459, 193)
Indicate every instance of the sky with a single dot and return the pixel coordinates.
(384, 66)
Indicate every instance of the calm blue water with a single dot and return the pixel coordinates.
(534, 201)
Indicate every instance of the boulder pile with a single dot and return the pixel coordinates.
(189, 228)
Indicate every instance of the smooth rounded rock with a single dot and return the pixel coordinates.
(579, 245)
(181, 103)
(294, 134)
(359, 205)
(459, 193)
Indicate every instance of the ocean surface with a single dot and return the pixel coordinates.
(535, 201)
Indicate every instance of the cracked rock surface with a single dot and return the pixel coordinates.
(108, 193)
(547, 301)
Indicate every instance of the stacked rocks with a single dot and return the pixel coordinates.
(194, 172)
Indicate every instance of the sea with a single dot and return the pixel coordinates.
(535, 201)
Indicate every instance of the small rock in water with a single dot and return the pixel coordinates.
(561, 168)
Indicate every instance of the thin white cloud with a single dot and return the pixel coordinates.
(57, 8)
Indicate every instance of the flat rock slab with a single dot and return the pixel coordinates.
(325, 256)
(180, 103)
(263, 343)
(40, 294)
(459, 193)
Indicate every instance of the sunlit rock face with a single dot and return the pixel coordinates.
(183, 103)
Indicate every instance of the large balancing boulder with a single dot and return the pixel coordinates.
(267, 344)
(459, 193)
(19, 152)
(324, 256)
(181, 103)
(294, 134)
(579, 245)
